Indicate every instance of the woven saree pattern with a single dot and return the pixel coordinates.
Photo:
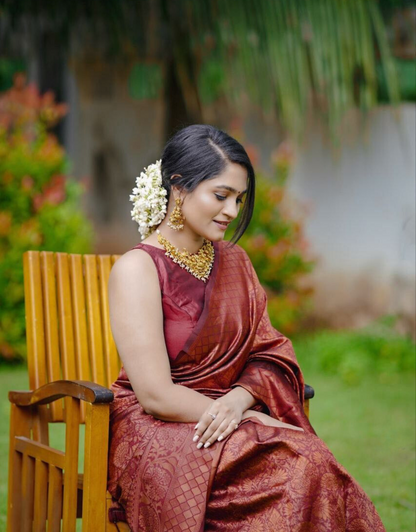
(260, 478)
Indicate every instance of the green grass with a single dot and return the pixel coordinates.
(370, 428)
(10, 379)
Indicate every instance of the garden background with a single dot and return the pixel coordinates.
(322, 94)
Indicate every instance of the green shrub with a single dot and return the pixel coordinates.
(377, 349)
(39, 204)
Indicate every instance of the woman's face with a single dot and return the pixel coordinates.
(214, 201)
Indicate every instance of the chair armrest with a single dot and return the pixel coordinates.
(309, 392)
(84, 390)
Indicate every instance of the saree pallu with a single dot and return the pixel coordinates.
(259, 478)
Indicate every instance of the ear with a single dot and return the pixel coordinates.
(177, 192)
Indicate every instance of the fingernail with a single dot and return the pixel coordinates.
(220, 438)
(196, 426)
(196, 437)
(207, 445)
(199, 445)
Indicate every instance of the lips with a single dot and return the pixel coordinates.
(222, 224)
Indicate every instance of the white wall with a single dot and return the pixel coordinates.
(361, 221)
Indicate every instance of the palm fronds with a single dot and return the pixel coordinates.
(285, 55)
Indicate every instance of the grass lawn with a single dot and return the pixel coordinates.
(370, 428)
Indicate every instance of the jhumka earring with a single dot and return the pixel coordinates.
(177, 217)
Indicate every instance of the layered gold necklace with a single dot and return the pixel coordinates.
(198, 264)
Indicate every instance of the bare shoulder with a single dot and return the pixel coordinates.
(133, 260)
(133, 267)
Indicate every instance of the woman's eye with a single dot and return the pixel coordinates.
(222, 198)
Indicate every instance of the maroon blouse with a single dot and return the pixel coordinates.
(181, 308)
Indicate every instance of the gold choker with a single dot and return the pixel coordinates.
(198, 264)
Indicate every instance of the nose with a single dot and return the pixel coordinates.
(231, 208)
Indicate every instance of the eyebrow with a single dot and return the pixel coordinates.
(231, 189)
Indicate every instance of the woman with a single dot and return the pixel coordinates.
(207, 426)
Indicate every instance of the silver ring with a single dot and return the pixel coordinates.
(212, 415)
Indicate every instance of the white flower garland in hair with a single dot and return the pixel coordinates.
(149, 199)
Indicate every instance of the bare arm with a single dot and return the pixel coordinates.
(136, 318)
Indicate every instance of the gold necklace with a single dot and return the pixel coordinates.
(198, 264)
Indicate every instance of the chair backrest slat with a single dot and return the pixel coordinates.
(80, 317)
(51, 315)
(95, 337)
(111, 359)
(53, 363)
(66, 330)
(35, 330)
(67, 320)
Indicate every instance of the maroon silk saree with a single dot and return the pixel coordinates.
(260, 478)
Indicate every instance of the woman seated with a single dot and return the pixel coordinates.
(208, 431)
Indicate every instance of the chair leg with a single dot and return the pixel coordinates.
(28, 488)
(72, 420)
(94, 511)
(20, 425)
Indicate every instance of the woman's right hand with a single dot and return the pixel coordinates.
(269, 421)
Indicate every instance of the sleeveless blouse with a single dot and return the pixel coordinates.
(181, 308)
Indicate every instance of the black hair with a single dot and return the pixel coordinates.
(200, 152)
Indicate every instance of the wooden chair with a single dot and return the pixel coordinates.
(72, 360)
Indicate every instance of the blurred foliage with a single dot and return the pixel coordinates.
(321, 54)
(277, 247)
(285, 55)
(8, 67)
(39, 204)
(400, 20)
(145, 81)
(407, 80)
(378, 350)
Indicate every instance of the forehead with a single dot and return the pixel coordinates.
(234, 176)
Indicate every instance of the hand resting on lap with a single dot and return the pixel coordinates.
(270, 421)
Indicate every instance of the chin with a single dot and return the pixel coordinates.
(214, 236)
(217, 238)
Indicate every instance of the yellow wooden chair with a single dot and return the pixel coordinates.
(72, 360)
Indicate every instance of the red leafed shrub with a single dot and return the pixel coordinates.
(39, 203)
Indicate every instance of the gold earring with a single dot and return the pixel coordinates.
(177, 217)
